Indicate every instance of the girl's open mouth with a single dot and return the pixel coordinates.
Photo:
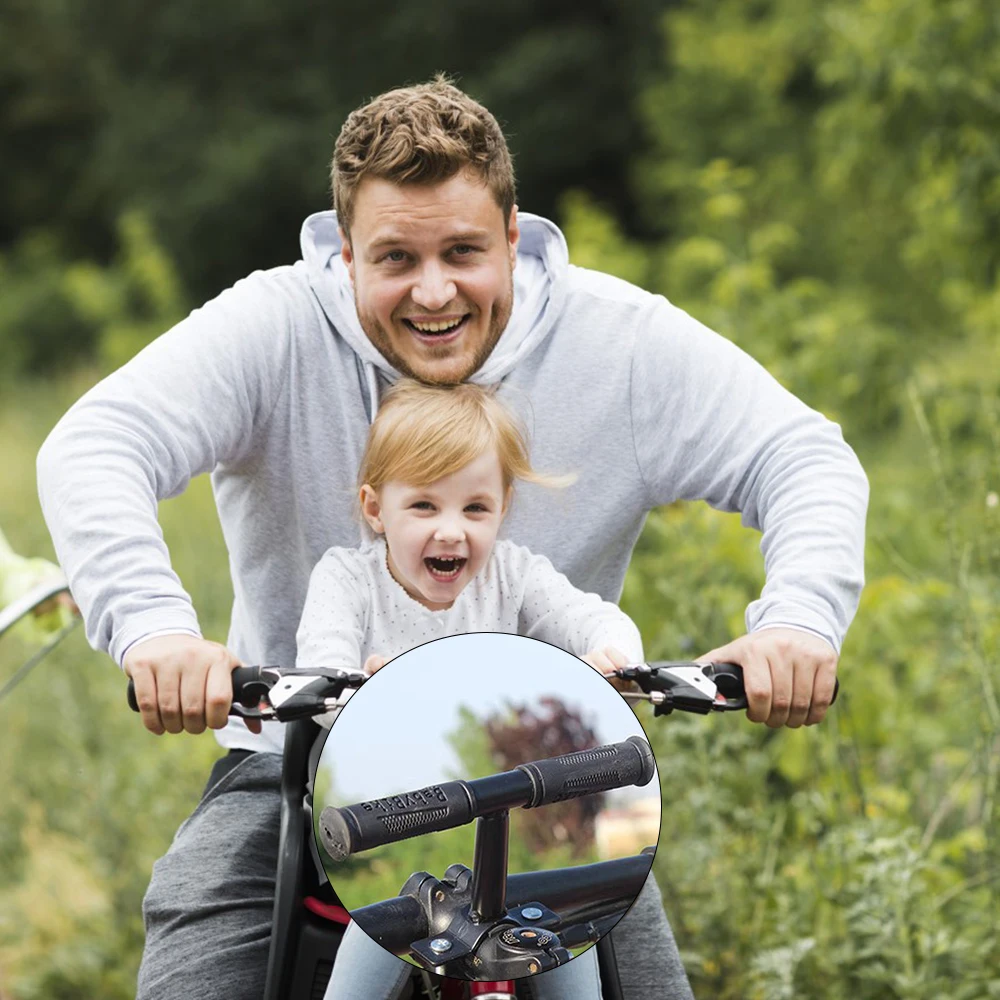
(444, 569)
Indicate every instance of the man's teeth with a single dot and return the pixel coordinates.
(435, 327)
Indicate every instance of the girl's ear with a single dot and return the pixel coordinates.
(371, 510)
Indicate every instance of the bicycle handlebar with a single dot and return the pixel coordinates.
(246, 691)
(283, 693)
(349, 829)
(690, 686)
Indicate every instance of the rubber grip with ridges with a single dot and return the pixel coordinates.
(346, 830)
(586, 772)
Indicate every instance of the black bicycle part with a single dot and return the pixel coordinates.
(693, 687)
(579, 903)
(607, 970)
(303, 944)
(489, 867)
(349, 829)
(287, 693)
(520, 943)
(301, 952)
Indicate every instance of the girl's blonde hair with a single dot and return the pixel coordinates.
(422, 433)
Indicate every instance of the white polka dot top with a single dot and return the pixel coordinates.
(355, 608)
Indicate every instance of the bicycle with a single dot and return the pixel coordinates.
(308, 920)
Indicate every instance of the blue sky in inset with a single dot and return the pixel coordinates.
(391, 736)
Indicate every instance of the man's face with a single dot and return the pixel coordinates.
(432, 268)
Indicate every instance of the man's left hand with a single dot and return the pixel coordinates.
(788, 675)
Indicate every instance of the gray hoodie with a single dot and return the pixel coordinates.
(271, 388)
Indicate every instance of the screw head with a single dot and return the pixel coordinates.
(440, 945)
(531, 913)
(439, 895)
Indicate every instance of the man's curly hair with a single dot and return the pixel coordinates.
(420, 135)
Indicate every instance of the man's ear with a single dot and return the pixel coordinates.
(371, 510)
(513, 237)
(346, 252)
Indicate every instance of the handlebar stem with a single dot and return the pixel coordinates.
(489, 867)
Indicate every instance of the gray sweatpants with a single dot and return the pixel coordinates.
(208, 907)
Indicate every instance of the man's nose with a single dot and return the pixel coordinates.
(433, 289)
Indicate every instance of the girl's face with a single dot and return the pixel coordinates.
(439, 536)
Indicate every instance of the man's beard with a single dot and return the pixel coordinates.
(501, 312)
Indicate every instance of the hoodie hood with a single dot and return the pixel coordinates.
(539, 293)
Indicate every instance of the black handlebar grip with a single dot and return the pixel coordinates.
(588, 771)
(242, 677)
(728, 677)
(349, 829)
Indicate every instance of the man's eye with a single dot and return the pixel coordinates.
(395, 256)
(463, 250)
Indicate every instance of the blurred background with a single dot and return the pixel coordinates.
(819, 181)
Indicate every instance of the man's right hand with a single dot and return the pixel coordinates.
(183, 684)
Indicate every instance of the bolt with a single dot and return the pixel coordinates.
(440, 945)
(439, 895)
(532, 967)
(531, 913)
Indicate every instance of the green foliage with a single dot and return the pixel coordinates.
(56, 312)
(131, 302)
(817, 181)
(113, 109)
(825, 180)
(40, 328)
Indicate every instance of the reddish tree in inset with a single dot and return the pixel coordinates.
(523, 734)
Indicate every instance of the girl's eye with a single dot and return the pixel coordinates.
(477, 508)
(422, 505)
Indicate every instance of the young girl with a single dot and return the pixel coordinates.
(436, 480)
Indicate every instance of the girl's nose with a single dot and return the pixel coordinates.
(449, 531)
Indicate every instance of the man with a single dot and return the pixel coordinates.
(427, 269)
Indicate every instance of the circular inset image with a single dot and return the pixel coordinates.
(487, 807)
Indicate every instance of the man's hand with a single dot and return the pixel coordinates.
(789, 675)
(183, 684)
